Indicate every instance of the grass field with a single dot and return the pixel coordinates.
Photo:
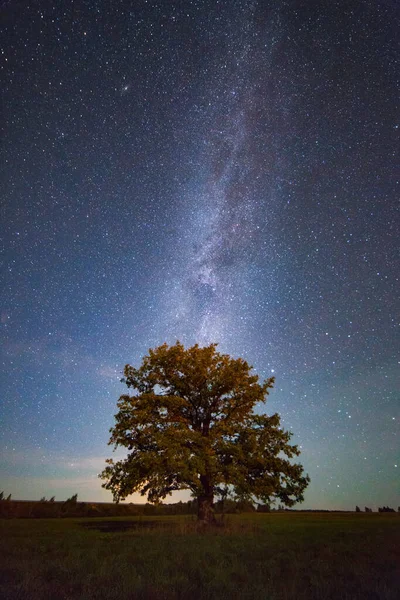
(265, 556)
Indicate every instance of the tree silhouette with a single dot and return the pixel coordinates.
(386, 509)
(190, 424)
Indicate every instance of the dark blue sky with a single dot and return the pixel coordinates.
(201, 171)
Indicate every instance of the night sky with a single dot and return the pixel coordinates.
(208, 171)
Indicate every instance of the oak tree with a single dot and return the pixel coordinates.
(190, 424)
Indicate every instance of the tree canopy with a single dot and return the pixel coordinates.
(190, 424)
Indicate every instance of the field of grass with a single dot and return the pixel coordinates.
(277, 556)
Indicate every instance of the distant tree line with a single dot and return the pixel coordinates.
(380, 509)
(72, 508)
(42, 508)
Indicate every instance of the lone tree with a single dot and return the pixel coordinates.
(190, 424)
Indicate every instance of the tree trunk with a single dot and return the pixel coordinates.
(205, 510)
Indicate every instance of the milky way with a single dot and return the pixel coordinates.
(208, 172)
(225, 216)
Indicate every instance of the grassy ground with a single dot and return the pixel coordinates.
(263, 556)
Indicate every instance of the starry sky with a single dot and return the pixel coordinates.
(206, 171)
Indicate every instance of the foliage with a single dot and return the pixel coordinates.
(70, 506)
(190, 424)
(73, 500)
